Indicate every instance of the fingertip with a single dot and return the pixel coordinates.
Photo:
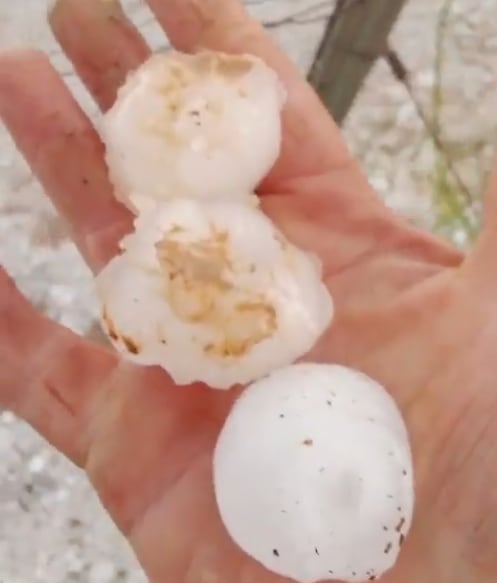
(100, 41)
(59, 10)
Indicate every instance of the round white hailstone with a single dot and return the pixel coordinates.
(212, 292)
(205, 126)
(313, 474)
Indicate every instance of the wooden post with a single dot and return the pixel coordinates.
(356, 35)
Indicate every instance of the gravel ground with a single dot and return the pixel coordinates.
(52, 528)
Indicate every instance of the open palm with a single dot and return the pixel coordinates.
(411, 312)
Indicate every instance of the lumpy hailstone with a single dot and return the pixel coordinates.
(212, 292)
(313, 474)
(204, 125)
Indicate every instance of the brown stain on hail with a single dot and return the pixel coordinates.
(262, 315)
(176, 229)
(199, 292)
(109, 324)
(172, 78)
(175, 74)
(231, 67)
(131, 346)
(308, 442)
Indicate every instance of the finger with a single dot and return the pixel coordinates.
(312, 143)
(101, 42)
(63, 150)
(48, 375)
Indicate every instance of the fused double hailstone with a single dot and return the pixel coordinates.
(312, 469)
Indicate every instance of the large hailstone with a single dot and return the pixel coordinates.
(204, 126)
(313, 474)
(212, 292)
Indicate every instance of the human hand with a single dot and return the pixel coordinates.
(410, 311)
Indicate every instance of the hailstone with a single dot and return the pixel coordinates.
(203, 125)
(212, 292)
(313, 474)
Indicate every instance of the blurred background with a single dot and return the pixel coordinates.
(414, 85)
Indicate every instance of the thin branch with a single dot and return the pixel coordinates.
(319, 64)
(304, 16)
(355, 37)
(441, 30)
(402, 74)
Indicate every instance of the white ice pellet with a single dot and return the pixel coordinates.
(205, 126)
(212, 292)
(313, 474)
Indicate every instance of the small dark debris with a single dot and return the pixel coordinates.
(330, 572)
(85, 181)
(372, 578)
(399, 526)
(385, 528)
(354, 573)
(282, 415)
(276, 553)
(163, 341)
(29, 488)
(389, 496)
(316, 551)
(308, 441)
(402, 538)
(321, 470)
(388, 548)
(399, 509)
(404, 472)
(328, 403)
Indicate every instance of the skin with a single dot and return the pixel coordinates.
(411, 312)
